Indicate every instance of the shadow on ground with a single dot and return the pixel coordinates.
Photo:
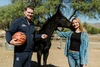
(35, 64)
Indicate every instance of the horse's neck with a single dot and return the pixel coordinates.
(48, 29)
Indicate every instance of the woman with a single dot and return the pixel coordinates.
(76, 48)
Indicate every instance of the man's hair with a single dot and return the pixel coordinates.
(29, 6)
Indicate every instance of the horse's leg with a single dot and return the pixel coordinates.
(39, 54)
(46, 53)
(45, 56)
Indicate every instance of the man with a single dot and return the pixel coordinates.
(23, 53)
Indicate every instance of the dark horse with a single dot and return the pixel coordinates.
(42, 46)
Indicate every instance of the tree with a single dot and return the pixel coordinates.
(5, 18)
(9, 13)
(44, 9)
(90, 29)
(90, 8)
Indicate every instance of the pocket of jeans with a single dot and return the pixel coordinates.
(70, 53)
(76, 55)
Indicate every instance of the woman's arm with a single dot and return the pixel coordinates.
(62, 34)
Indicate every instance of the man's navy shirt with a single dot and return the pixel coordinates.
(22, 25)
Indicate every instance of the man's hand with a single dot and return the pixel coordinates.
(15, 43)
(44, 36)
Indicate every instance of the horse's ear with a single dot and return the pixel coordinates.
(60, 6)
(58, 10)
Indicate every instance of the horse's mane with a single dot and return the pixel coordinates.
(51, 20)
(47, 23)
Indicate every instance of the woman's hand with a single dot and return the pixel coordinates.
(83, 65)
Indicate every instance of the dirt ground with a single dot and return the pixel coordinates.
(56, 57)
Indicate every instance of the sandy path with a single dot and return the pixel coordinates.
(56, 57)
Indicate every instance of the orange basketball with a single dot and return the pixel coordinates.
(20, 36)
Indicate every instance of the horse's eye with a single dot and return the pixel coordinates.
(63, 18)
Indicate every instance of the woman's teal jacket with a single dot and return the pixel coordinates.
(83, 47)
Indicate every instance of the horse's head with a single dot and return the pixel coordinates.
(61, 20)
(57, 20)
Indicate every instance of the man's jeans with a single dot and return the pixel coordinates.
(73, 59)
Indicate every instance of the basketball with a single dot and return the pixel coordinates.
(20, 36)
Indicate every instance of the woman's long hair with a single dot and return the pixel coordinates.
(80, 25)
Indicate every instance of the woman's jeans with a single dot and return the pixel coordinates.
(73, 59)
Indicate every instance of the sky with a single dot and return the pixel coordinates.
(4, 2)
(84, 19)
